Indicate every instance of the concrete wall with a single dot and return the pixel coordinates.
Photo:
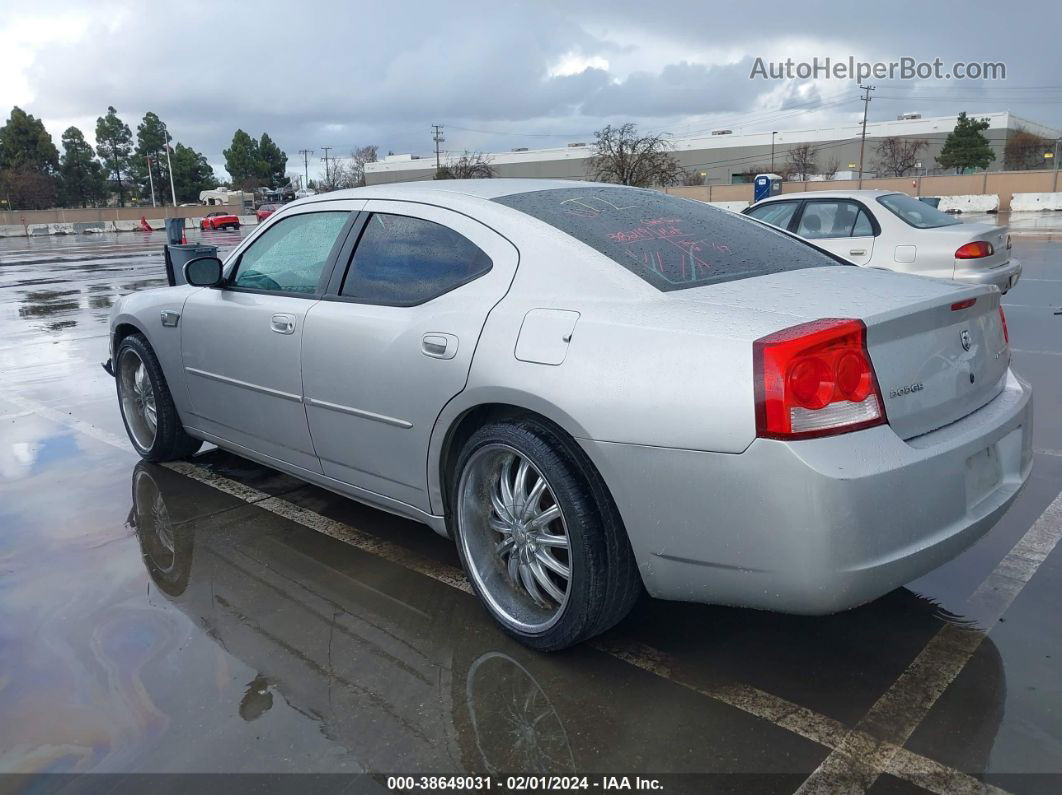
(104, 215)
(96, 227)
(1036, 201)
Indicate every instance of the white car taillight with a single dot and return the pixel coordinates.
(815, 379)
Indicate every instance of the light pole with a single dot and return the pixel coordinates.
(169, 167)
(773, 133)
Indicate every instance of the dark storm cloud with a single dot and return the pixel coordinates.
(344, 73)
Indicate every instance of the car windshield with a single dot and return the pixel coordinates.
(914, 212)
(670, 242)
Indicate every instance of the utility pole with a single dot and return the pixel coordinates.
(327, 176)
(151, 179)
(863, 138)
(773, 133)
(305, 167)
(437, 136)
(169, 168)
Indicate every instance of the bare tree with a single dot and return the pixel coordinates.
(692, 177)
(897, 156)
(801, 160)
(829, 171)
(470, 165)
(358, 158)
(624, 157)
(1025, 150)
(336, 175)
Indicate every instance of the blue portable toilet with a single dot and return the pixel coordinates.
(765, 186)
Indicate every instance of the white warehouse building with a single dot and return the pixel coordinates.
(726, 156)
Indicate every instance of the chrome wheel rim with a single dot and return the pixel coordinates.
(514, 538)
(138, 399)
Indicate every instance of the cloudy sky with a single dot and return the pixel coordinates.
(502, 74)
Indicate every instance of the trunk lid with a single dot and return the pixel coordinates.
(934, 364)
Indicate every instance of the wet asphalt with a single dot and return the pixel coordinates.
(156, 621)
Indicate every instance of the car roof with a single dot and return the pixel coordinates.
(828, 194)
(449, 190)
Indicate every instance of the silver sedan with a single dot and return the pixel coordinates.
(596, 391)
(886, 229)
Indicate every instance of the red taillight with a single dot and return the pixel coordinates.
(1003, 320)
(815, 379)
(963, 304)
(975, 250)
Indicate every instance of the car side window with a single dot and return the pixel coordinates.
(290, 256)
(863, 227)
(403, 261)
(830, 219)
(775, 213)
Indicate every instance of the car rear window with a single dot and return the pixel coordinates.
(915, 212)
(671, 243)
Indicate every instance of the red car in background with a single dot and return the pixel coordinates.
(266, 210)
(219, 220)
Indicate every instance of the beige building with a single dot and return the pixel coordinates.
(724, 155)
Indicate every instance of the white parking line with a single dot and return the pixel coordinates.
(859, 754)
(868, 750)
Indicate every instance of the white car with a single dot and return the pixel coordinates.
(885, 229)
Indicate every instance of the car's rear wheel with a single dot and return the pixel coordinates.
(147, 407)
(539, 536)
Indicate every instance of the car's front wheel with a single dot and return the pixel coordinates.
(539, 536)
(147, 407)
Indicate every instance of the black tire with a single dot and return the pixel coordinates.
(236, 227)
(169, 442)
(604, 583)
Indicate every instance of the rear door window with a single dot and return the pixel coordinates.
(404, 261)
(671, 243)
(775, 213)
(836, 218)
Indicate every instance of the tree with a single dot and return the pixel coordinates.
(966, 146)
(24, 143)
(191, 173)
(1025, 150)
(28, 162)
(26, 188)
(359, 157)
(692, 177)
(151, 143)
(623, 156)
(243, 162)
(114, 145)
(801, 161)
(470, 165)
(82, 182)
(829, 171)
(897, 156)
(272, 163)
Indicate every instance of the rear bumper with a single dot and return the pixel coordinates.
(819, 525)
(1004, 277)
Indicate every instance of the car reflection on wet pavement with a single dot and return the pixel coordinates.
(221, 617)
